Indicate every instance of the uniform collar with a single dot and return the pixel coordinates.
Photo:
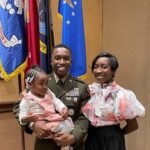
(57, 78)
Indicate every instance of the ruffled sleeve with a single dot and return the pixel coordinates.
(127, 106)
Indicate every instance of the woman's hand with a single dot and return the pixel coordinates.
(64, 139)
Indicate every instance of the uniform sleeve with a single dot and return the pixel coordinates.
(81, 122)
(16, 114)
(16, 110)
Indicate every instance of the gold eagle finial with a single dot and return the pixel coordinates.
(69, 2)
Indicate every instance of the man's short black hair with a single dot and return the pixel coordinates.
(61, 46)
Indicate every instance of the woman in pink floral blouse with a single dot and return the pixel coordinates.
(109, 105)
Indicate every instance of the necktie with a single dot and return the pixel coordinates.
(60, 84)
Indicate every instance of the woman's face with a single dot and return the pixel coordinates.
(102, 70)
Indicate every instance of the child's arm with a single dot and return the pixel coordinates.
(25, 115)
(64, 112)
(58, 104)
(29, 118)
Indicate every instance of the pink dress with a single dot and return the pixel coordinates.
(46, 109)
(111, 104)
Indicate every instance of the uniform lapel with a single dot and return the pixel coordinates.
(68, 85)
(52, 84)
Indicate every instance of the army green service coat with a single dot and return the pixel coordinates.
(74, 95)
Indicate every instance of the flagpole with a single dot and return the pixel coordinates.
(51, 25)
(22, 130)
(50, 35)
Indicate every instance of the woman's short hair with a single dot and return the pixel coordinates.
(113, 60)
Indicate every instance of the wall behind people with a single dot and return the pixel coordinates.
(8, 90)
(92, 11)
(126, 33)
(92, 15)
(123, 28)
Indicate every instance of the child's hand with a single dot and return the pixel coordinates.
(22, 94)
(30, 118)
(64, 112)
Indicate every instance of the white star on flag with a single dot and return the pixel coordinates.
(75, 2)
(73, 14)
(68, 22)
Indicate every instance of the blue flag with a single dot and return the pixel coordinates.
(73, 34)
(13, 51)
(43, 36)
(46, 36)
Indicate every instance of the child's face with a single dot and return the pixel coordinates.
(39, 85)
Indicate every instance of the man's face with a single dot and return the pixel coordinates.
(61, 61)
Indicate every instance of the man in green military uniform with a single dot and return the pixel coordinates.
(74, 94)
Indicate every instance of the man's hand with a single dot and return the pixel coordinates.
(40, 129)
(64, 139)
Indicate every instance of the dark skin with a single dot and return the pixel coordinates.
(131, 126)
(39, 88)
(103, 74)
(61, 61)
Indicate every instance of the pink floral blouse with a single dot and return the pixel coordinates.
(111, 104)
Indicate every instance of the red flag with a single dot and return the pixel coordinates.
(32, 28)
